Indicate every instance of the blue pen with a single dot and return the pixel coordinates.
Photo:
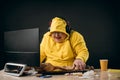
(45, 76)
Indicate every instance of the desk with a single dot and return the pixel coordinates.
(105, 75)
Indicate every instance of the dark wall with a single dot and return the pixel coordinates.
(1, 39)
(98, 21)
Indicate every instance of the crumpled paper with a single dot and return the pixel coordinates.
(88, 74)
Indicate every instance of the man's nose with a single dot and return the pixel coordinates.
(56, 34)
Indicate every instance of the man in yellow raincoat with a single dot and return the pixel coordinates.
(62, 46)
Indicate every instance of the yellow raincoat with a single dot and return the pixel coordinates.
(62, 54)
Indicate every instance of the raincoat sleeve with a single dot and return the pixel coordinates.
(42, 49)
(79, 46)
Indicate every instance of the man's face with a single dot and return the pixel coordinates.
(58, 36)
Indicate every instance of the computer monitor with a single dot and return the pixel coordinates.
(22, 46)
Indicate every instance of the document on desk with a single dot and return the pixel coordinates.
(113, 70)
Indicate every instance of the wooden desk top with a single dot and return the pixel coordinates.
(105, 75)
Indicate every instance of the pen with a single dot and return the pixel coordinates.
(45, 76)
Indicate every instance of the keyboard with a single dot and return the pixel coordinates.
(61, 72)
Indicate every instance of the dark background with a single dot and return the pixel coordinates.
(98, 21)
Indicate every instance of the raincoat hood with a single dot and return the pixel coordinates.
(59, 25)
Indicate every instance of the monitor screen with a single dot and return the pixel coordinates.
(22, 46)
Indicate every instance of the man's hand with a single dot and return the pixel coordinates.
(78, 64)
